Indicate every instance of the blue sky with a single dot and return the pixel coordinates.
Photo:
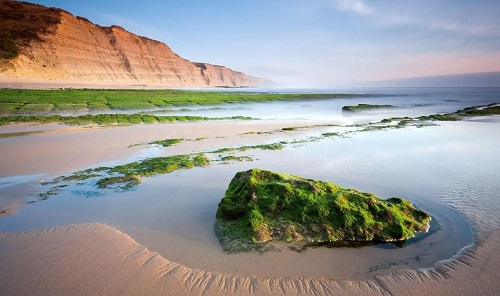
(316, 43)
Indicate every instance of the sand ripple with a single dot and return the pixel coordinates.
(96, 259)
(481, 210)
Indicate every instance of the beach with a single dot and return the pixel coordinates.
(340, 147)
(95, 259)
(158, 239)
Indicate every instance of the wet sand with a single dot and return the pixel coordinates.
(34, 147)
(96, 259)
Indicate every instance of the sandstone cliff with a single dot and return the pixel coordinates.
(50, 43)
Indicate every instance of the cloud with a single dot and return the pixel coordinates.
(432, 24)
(356, 6)
(475, 30)
(465, 20)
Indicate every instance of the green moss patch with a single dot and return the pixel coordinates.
(107, 119)
(230, 158)
(491, 109)
(262, 206)
(330, 135)
(272, 146)
(160, 165)
(487, 110)
(365, 107)
(440, 117)
(167, 142)
(122, 182)
(100, 99)
(127, 176)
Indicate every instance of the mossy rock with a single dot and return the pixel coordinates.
(262, 206)
(364, 107)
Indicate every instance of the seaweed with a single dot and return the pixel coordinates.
(167, 142)
(128, 176)
(229, 158)
(272, 146)
(104, 99)
(364, 107)
(260, 206)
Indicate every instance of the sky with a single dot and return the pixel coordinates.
(315, 43)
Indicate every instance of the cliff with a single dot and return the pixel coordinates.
(50, 43)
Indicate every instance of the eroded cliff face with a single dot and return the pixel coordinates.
(49, 43)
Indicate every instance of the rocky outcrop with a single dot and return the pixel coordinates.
(50, 43)
(261, 206)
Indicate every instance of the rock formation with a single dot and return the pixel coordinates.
(261, 206)
(50, 43)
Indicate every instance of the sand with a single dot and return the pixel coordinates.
(40, 83)
(77, 147)
(96, 259)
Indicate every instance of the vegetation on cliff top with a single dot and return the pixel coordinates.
(16, 30)
(261, 206)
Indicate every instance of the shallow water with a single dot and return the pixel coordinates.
(453, 165)
(410, 102)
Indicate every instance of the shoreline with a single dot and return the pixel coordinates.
(179, 226)
(39, 83)
(29, 257)
(50, 254)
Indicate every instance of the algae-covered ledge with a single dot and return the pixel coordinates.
(261, 206)
(365, 107)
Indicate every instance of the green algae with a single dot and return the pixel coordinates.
(330, 135)
(164, 165)
(160, 165)
(16, 100)
(486, 110)
(122, 182)
(111, 119)
(230, 158)
(440, 117)
(128, 176)
(272, 146)
(260, 206)
(167, 142)
(365, 107)
(79, 176)
(46, 195)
